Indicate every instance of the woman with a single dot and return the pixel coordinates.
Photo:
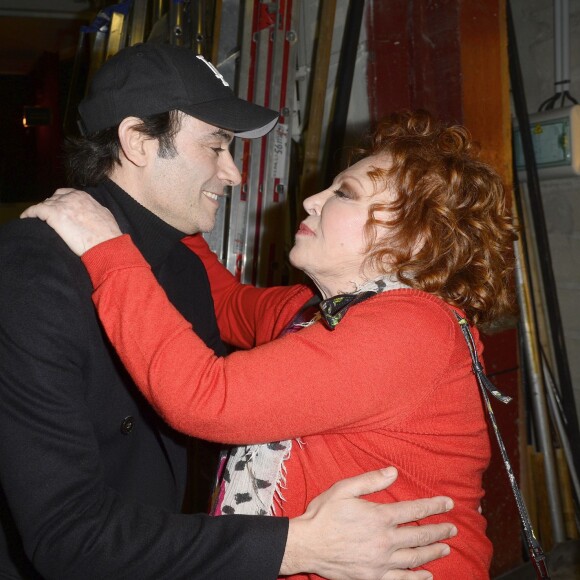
(412, 233)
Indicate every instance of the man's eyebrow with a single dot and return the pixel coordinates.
(223, 134)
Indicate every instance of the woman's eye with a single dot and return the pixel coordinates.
(342, 194)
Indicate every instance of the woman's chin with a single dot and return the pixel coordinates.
(292, 258)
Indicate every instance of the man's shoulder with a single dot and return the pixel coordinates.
(39, 270)
(24, 228)
(33, 240)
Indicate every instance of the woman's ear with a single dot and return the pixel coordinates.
(136, 147)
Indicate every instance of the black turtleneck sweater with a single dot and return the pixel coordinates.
(92, 480)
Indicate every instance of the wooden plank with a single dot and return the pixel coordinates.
(544, 529)
(389, 63)
(450, 57)
(485, 81)
(310, 171)
(567, 495)
(486, 113)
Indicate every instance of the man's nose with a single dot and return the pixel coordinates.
(228, 170)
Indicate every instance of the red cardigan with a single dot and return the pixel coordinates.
(392, 385)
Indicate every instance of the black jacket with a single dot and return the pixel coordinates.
(90, 476)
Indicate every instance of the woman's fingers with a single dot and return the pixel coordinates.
(77, 218)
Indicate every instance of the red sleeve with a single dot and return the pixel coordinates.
(247, 316)
(383, 359)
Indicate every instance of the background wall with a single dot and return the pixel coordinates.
(533, 21)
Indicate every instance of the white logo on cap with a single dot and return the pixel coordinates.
(216, 72)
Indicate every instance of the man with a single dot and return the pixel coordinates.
(92, 479)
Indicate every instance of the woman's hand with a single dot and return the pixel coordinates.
(77, 218)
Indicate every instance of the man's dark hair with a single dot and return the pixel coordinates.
(90, 159)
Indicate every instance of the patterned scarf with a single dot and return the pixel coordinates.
(251, 478)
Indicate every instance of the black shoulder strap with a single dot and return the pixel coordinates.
(485, 385)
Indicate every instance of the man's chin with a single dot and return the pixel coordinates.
(205, 228)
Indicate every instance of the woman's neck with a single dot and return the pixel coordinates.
(335, 285)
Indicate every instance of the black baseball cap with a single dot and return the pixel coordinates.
(150, 78)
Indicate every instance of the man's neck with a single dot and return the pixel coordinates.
(154, 238)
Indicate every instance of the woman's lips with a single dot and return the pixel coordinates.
(304, 230)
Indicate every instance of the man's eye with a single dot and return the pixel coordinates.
(218, 150)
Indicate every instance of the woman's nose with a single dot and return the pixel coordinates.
(314, 203)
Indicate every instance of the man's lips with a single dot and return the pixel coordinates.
(211, 195)
(304, 230)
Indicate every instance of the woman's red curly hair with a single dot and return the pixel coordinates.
(450, 232)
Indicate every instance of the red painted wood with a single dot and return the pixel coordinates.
(414, 58)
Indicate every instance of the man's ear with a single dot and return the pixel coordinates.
(136, 147)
